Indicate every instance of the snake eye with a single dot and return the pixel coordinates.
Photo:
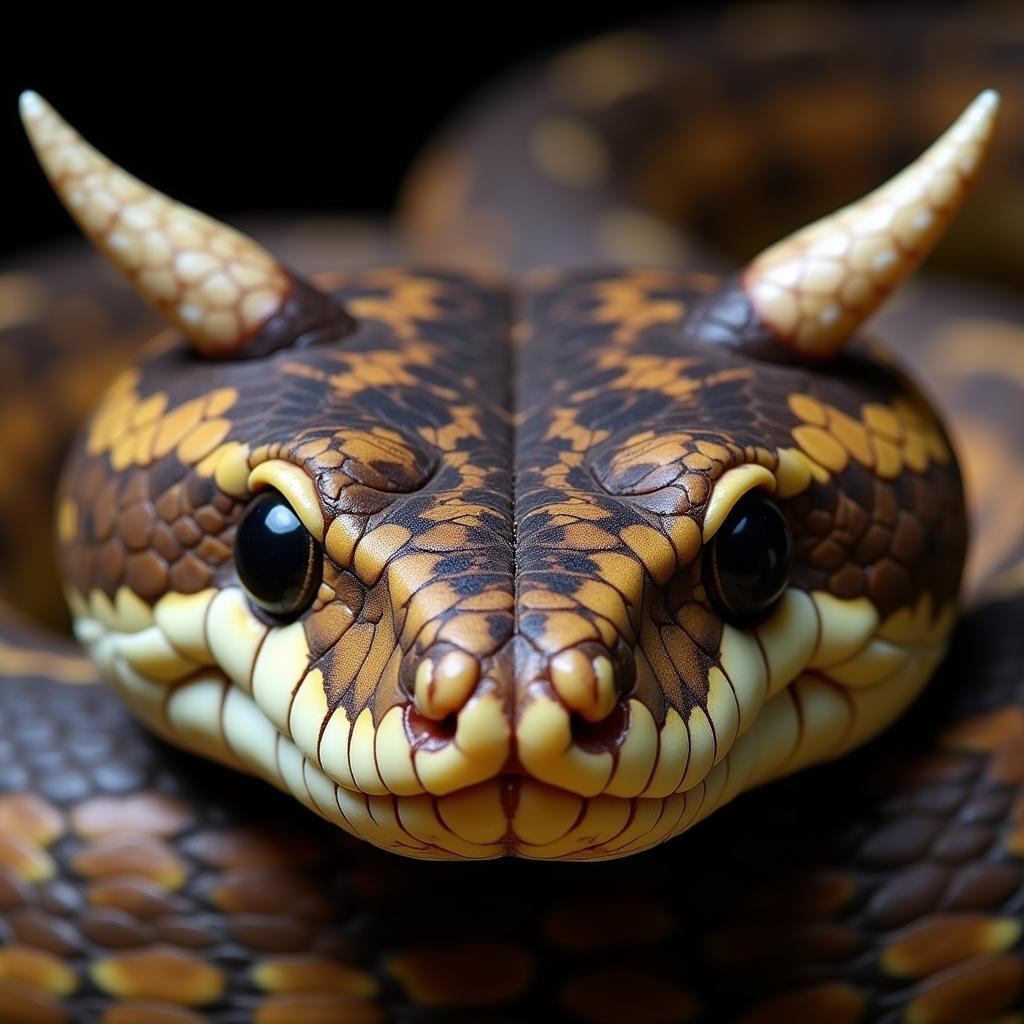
(746, 563)
(278, 562)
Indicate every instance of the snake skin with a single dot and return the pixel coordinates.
(430, 559)
(141, 886)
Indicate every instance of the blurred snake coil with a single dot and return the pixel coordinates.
(538, 526)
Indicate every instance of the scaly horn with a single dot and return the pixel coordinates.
(226, 293)
(812, 290)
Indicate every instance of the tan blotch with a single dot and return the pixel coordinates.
(814, 288)
(986, 732)
(218, 286)
(943, 940)
(315, 1008)
(887, 439)
(149, 812)
(31, 817)
(158, 973)
(306, 973)
(140, 855)
(25, 859)
(36, 969)
(983, 988)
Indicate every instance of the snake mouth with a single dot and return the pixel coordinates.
(516, 816)
(827, 675)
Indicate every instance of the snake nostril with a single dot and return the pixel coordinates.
(589, 684)
(442, 682)
(607, 734)
(431, 732)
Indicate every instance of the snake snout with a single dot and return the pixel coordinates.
(562, 718)
(591, 681)
(441, 680)
(455, 725)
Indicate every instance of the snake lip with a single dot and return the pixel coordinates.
(202, 672)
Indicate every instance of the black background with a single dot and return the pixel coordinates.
(293, 110)
(276, 108)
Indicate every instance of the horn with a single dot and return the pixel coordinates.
(812, 290)
(227, 294)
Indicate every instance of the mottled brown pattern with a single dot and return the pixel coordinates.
(626, 431)
(901, 902)
(544, 526)
(718, 137)
(80, 332)
(400, 427)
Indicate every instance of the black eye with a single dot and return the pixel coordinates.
(278, 562)
(746, 564)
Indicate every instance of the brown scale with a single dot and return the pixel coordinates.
(595, 551)
(135, 886)
(639, 465)
(851, 898)
(153, 531)
(703, 133)
(181, 518)
(664, 150)
(867, 537)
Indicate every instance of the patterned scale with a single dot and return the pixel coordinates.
(141, 885)
(513, 648)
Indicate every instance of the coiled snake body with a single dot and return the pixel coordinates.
(552, 570)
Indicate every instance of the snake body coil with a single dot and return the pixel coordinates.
(472, 570)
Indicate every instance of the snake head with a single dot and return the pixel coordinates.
(550, 575)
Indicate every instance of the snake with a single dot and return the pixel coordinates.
(549, 536)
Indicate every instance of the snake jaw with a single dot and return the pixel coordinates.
(487, 671)
(468, 743)
(818, 675)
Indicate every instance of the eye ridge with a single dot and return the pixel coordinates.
(278, 561)
(746, 564)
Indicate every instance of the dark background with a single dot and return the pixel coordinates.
(303, 112)
(278, 108)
